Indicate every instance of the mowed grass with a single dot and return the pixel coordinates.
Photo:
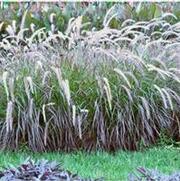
(101, 164)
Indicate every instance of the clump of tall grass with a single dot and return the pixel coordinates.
(80, 89)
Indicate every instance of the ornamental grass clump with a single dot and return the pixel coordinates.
(108, 89)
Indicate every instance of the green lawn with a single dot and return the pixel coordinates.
(111, 166)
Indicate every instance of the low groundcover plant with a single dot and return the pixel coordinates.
(40, 170)
(153, 175)
(46, 170)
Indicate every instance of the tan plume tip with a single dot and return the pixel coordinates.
(66, 90)
(52, 28)
(74, 115)
(108, 92)
(14, 25)
(123, 76)
(32, 27)
(5, 75)
(9, 117)
(51, 17)
(10, 30)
